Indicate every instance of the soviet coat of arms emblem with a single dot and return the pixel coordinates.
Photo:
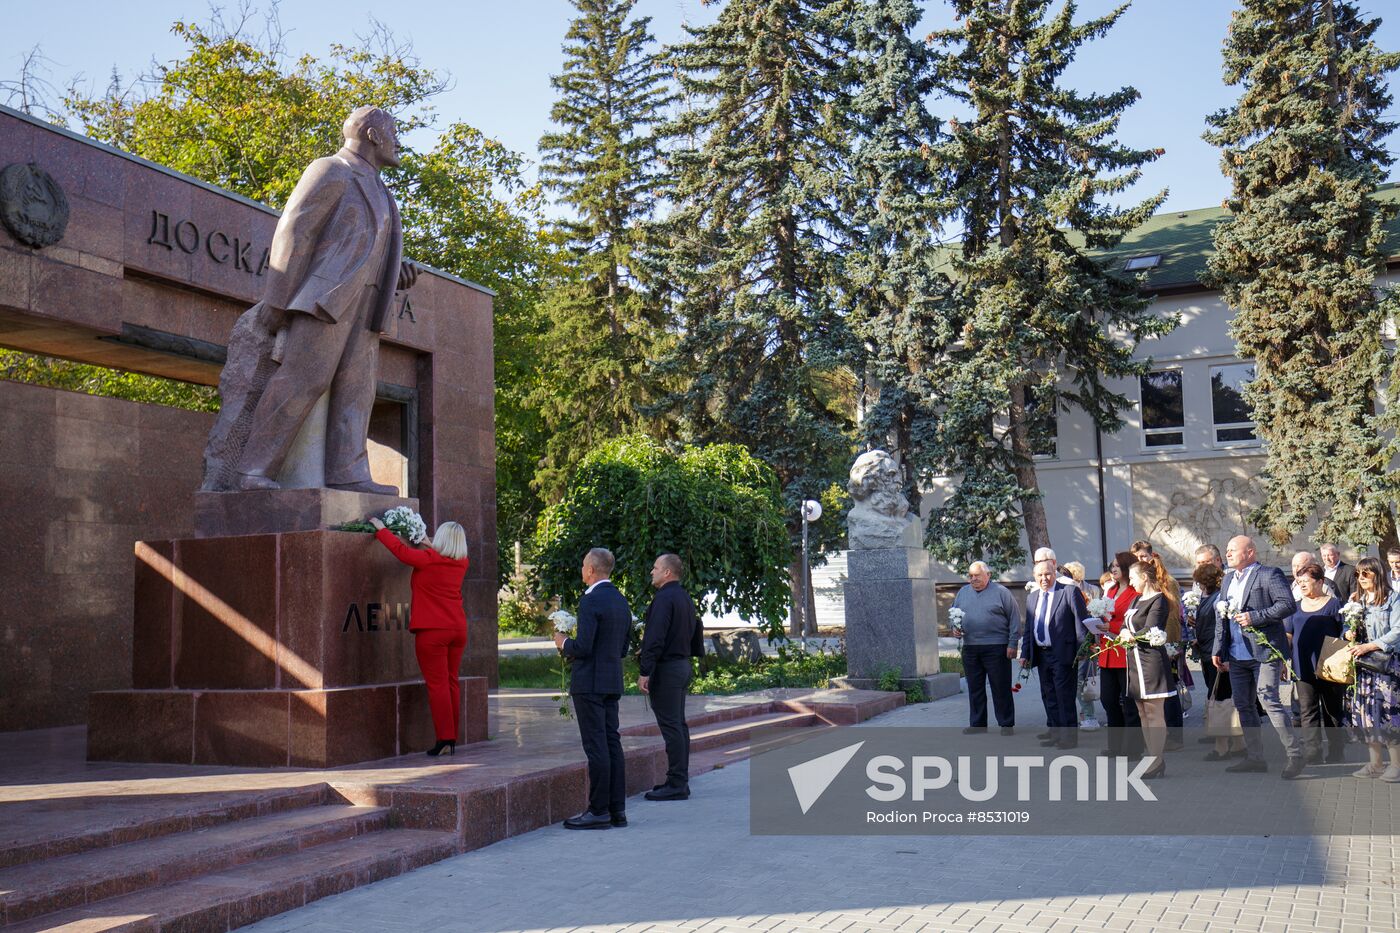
(32, 205)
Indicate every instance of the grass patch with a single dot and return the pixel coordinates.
(950, 664)
(791, 668)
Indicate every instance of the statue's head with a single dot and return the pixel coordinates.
(875, 482)
(375, 133)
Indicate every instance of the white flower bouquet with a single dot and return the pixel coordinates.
(1192, 601)
(406, 523)
(1156, 638)
(1101, 607)
(1353, 615)
(955, 620)
(564, 622)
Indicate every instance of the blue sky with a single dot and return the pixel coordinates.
(501, 55)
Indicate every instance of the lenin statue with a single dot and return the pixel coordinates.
(336, 262)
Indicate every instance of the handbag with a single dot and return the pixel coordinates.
(1377, 662)
(1334, 662)
(1091, 690)
(1222, 719)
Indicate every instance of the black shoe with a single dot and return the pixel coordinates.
(1217, 756)
(1338, 759)
(589, 820)
(1248, 766)
(618, 819)
(974, 730)
(443, 747)
(1008, 730)
(1157, 772)
(668, 793)
(1293, 769)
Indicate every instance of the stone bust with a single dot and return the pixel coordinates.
(880, 516)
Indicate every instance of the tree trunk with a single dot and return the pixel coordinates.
(1032, 505)
(797, 617)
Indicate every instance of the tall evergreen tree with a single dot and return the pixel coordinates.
(1298, 258)
(1043, 318)
(893, 203)
(766, 355)
(604, 322)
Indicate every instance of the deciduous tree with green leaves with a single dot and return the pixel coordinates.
(766, 355)
(605, 323)
(1046, 322)
(1298, 256)
(716, 506)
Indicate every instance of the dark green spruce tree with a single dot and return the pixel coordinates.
(1298, 256)
(767, 356)
(1043, 315)
(893, 202)
(605, 324)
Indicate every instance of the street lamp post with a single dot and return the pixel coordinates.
(811, 511)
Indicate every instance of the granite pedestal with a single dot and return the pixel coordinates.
(892, 619)
(286, 648)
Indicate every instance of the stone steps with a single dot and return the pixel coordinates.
(36, 888)
(53, 828)
(739, 731)
(236, 896)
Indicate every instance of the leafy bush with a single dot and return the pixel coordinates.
(791, 668)
(716, 506)
(522, 616)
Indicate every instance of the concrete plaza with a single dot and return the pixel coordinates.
(695, 866)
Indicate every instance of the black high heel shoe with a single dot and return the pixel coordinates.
(443, 747)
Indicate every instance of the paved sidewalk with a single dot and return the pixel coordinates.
(694, 866)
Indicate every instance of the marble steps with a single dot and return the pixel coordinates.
(722, 756)
(739, 731)
(36, 888)
(235, 896)
(49, 829)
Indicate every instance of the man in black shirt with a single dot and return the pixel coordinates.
(673, 635)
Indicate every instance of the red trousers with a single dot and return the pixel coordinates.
(440, 659)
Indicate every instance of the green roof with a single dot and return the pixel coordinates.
(1183, 239)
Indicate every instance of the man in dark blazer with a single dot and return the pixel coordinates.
(673, 636)
(1342, 574)
(595, 683)
(1049, 644)
(1260, 603)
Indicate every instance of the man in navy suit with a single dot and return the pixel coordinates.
(1049, 644)
(1260, 604)
(595, 683)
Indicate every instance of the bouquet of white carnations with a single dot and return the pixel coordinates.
(1353, 615)
(406, 523)
(1101, 607)
(1192, 601)
(1153, 638)
(565, 623)
(955, 620)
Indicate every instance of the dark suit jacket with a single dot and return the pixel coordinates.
(604, 623)
(1205, 626)
(1067, 610)
(1269, 602)
(673, 631)
(1345, 581)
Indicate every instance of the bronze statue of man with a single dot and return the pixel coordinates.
(336, 261)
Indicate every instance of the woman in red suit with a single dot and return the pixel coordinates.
(1124, 726)
(437, 620)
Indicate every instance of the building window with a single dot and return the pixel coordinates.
(1142, 263)
(1229, 412)
(1163, 416)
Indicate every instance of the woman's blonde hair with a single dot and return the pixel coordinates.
(450, 541)
(1075, 570)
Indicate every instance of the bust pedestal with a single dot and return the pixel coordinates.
(892, 620)
(288, 648)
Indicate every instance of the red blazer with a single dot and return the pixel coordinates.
(1122, 599)
(437, 585)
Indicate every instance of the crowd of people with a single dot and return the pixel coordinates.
(1251, 628)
